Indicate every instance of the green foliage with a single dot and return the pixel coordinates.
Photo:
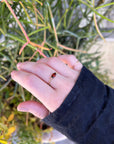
(56, 25)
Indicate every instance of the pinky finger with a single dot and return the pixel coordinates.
(36, 108)
(71, 61)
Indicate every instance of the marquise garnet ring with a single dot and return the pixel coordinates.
(52, 77)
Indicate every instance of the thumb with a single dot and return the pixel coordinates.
(36, 108)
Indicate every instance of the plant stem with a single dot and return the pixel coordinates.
(24, 32)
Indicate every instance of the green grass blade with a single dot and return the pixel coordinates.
(36, 31)
(3, 78)
(105, 5)
(96, 11)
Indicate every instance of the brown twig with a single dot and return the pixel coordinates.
(71, 49)
(41, 45)
(95, 21)
(34, 6)
(39, 13)
(97, 28)
(27, 118)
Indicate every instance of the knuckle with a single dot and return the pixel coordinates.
(29, 79)
(51, 60)
(71, 57)
(40, 67)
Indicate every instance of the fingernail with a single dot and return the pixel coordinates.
(19, 65)
(22, 109)
(78, 66)
(13, 73)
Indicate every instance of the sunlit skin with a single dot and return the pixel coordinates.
(35, 77)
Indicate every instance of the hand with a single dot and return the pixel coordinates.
(36, 78)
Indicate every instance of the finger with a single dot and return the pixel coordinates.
(57, 65)
(71, 61)
(36, 108)
(43, 71)
(36, 86)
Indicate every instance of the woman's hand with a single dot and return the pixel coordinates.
(51, 92)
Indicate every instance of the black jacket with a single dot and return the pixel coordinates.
(87, 114)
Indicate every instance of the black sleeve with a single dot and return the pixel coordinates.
(87, 114)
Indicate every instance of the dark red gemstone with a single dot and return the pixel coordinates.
(53, 75)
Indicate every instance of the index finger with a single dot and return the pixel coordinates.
(36, 86)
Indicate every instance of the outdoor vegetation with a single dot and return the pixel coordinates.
(33, 29)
